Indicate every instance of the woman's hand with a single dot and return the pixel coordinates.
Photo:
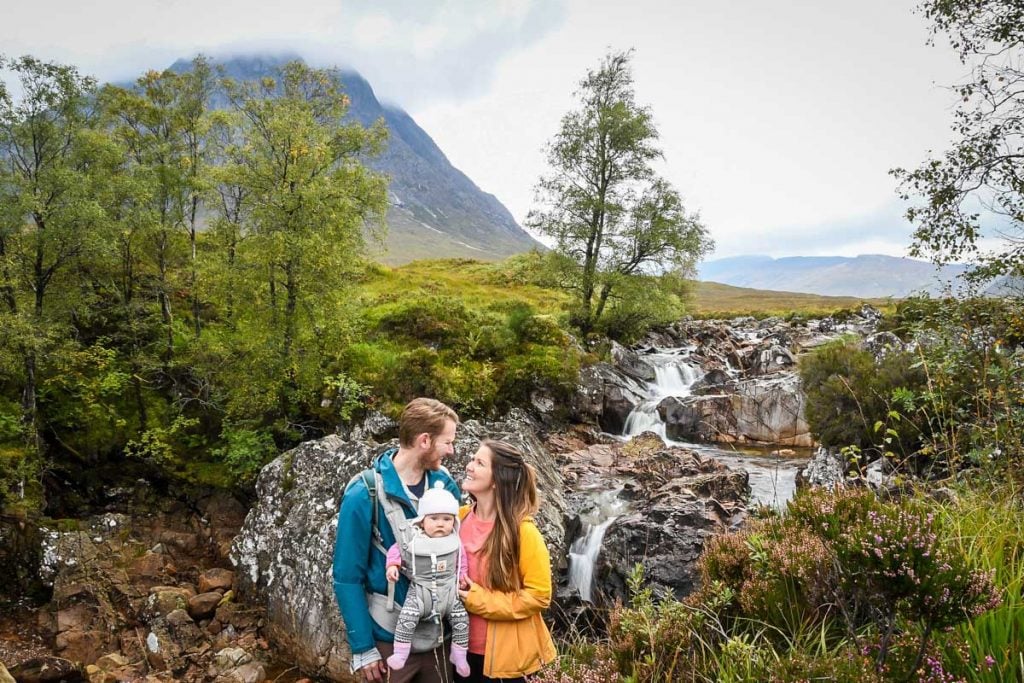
(392, 574)
(465, 585)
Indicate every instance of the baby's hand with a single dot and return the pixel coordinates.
(392, 573)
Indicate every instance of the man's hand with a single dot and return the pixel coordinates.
(375, 671)
(392, 573)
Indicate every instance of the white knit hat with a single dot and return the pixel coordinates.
(437, 501)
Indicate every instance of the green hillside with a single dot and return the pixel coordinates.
(718, 299)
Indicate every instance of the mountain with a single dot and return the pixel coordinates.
(871, 275)
(434, 209)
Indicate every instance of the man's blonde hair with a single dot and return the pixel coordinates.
(423, 415)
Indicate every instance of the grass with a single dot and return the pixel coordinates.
(493, 283)
(481, 284)
(989, 527)
(713, 298)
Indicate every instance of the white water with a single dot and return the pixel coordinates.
(772, 479)
(672, 377)
(605, 509)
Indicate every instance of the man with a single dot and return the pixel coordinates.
(426, 435)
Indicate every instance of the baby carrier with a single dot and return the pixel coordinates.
(431, 565)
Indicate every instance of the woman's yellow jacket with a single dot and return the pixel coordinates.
(518, 640)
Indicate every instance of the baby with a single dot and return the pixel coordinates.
(435, 562)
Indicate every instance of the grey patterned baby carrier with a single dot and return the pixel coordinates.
(432, 566)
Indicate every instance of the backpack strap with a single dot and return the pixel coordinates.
(370, 478)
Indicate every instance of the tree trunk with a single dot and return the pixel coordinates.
(193, 276)
(165, 301)
(606, 289)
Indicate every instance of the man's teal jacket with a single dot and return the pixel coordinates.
(358, 566)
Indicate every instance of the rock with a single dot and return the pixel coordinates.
(621, 396)
(631, 363)
(283, 554)
(294, 518)
(826, 469)
(179, 617)
(878, 475)
(880, 344)
(230, 657)
(247, 673)
(714, 381)
(165, 599)
(81, 646)
(767, 410)
(587, 400)
(48, 670)
(678, 501)
(111, 661)
(150, 569)
(376, 426)
(216, 579)
(203, 605)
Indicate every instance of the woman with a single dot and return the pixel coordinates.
(509, 581)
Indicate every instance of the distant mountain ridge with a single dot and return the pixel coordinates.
(871, 275)
(434, 210)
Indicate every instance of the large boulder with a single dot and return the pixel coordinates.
(284, 552)
(677, 500)
(826, 469)
(766, 411)
(631, 363)
(605, 396)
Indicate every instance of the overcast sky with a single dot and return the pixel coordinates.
(779, 121)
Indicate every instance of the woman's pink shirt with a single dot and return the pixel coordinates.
(473, 533)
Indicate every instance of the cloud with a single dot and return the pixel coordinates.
(881, 231)
(410, 50)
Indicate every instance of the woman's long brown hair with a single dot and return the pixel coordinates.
(515, 495)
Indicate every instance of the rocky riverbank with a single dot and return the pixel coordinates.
(198, 585)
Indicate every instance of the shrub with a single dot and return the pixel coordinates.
(971, 353)
(842, 563)
(246, 450)
(653, 641)
(437, 320)
(854, 400)
(548, 368)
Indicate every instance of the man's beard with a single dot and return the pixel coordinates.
(431, 460)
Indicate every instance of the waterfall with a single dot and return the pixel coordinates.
(605, 509)
(671, 378)
(772, 479)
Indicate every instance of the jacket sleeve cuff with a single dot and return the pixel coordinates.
(361, 659)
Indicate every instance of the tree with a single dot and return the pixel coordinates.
(54, 162)
(295, 197)
(611, 216)
(162, 123)
(984, 170)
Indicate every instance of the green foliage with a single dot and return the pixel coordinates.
(161, 445)
(659, 641)
(979, 176)
(855, 400)
(640, 303)
(246, 450)
(613, 220)
(130, 331)
(970, 353)
(988, 525)
(846, 565)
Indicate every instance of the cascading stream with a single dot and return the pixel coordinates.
(605, 509)
(772, 480)
(672, 377)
